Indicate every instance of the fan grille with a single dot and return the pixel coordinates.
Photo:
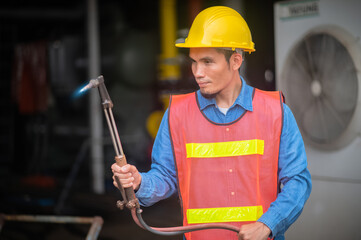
(322, 87)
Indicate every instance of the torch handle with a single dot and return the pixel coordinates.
(121, 160)
(129, 191)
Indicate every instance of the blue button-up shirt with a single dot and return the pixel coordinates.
(161, 181)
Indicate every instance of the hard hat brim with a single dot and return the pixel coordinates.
(185, 45)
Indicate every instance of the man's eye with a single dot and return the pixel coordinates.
(207, 61)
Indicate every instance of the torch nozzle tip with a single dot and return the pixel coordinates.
(84, 88)
(93, 83)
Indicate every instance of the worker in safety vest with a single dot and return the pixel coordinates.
(233, 153)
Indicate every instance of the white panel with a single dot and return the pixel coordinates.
(332, 212)
(344, 163)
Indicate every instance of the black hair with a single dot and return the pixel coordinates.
(226, 52)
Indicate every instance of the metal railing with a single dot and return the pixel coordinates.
(96, 222)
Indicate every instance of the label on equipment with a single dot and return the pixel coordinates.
(296, 9)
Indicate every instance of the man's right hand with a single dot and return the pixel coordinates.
(128, 176)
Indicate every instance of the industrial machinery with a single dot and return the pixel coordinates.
(318, 64)
(129, 199)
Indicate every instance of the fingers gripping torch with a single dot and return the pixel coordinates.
(129, 198)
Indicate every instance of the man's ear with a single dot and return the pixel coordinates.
(236, 61)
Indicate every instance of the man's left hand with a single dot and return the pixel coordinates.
(254, 231)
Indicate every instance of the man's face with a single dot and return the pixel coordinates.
(211, 70)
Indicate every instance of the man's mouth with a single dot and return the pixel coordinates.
(202, 84)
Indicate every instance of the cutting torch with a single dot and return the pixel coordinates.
(129, 199)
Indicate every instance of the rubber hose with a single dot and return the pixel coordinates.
(171, 231)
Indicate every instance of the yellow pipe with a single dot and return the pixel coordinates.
(169, 67)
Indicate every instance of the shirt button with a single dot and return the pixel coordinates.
(227, 129)
(232, 193)
(230, 170)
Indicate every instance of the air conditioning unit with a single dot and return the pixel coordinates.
(318, 68)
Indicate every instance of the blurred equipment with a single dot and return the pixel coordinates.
(135, 60)
(30, 83)
(30, 93)
(65, 69)
(155, 118)
(318, 64)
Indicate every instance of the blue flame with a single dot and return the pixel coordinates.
(80, 91)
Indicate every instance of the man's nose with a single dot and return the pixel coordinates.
(198, 71)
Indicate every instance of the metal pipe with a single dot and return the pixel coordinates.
(93, 233)
(117, 148)
(111, 132)
(95, 228)
(169, 66)
(48, 218)
(116, 133)
(96, 123)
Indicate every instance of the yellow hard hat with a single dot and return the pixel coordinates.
(219, 26)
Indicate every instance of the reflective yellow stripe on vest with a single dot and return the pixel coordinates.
(225, 149)
(227, 214)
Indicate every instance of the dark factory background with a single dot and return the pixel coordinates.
(45, 162)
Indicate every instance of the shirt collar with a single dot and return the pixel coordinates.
(244, 99)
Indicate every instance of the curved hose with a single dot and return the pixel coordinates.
(170, 231)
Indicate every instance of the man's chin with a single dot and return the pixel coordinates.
(208, 95)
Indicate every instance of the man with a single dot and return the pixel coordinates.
(228, 148)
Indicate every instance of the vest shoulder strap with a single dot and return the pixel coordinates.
(277, 95)
(183, 98)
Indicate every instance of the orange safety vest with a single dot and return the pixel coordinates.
(226, 172)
